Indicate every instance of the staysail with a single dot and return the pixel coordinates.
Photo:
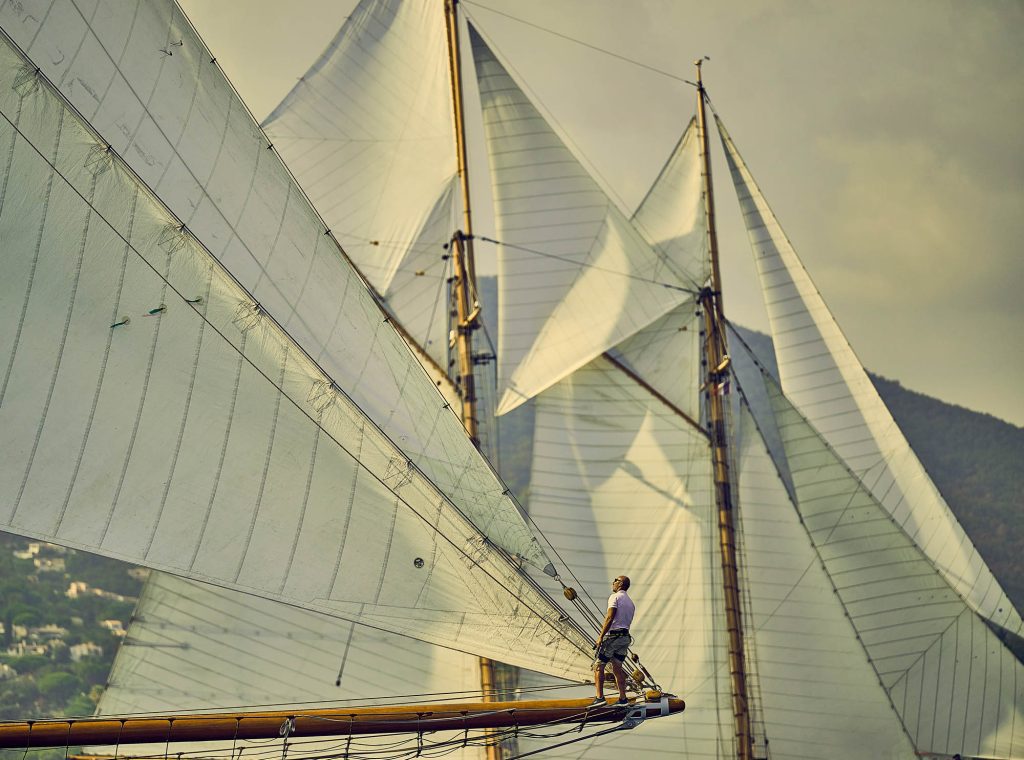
(576, 276)
(823, 377)
(378, 96)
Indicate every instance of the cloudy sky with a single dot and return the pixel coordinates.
(888, 137)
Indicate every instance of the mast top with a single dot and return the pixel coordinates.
(698, 63)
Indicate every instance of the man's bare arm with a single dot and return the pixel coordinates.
(607, 622)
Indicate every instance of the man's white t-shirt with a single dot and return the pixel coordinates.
(624, 609)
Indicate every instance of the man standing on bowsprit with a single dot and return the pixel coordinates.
(614, 639)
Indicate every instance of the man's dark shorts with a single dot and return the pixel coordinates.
(614, 645)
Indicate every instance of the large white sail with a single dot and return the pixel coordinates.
(576, 276)
(203, 439)
(621, 483)
(369, 133)
(821, 375)
(193, 646)
(954, 685)
(789, 579)
(377, 97)
(155, 94)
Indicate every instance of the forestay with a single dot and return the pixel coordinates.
(154, 93)
(576, 275)
(824, 379)
(198, 437)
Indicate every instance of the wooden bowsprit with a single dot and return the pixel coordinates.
(327, 722)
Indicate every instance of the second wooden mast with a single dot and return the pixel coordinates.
(716, 382)
(467, 311)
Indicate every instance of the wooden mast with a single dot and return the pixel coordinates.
(466, 311)
(715, 386)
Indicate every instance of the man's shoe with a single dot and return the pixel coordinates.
(598, 701)
(623, 703)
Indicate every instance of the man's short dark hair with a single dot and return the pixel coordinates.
(625, 582)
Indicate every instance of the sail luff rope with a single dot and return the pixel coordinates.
(299, 407)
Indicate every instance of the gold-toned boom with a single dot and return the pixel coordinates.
(341, 721)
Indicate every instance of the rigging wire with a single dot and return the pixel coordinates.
(581, 43)
(549, 115)
(668, 285)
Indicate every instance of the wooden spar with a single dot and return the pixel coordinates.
(321, 722)
(717, 357)
(467, 313)
(466, 310)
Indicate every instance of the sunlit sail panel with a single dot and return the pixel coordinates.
(195, 436)
(665, 357)
(368, 132)
(154, 93)
(576, 277)
(671, 218)
(816, 688)
(825, 380)
(194, 646)
(955, 686)
(621, 484)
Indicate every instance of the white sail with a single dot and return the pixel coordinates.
(823, 377)
(199, 437)
(369, 133)
(621, 483)
(815, 688)
(154, 93)
(576, 276)
(954, 685)
(788, 581)
(193, 646)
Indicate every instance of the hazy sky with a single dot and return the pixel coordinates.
(887, 136)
